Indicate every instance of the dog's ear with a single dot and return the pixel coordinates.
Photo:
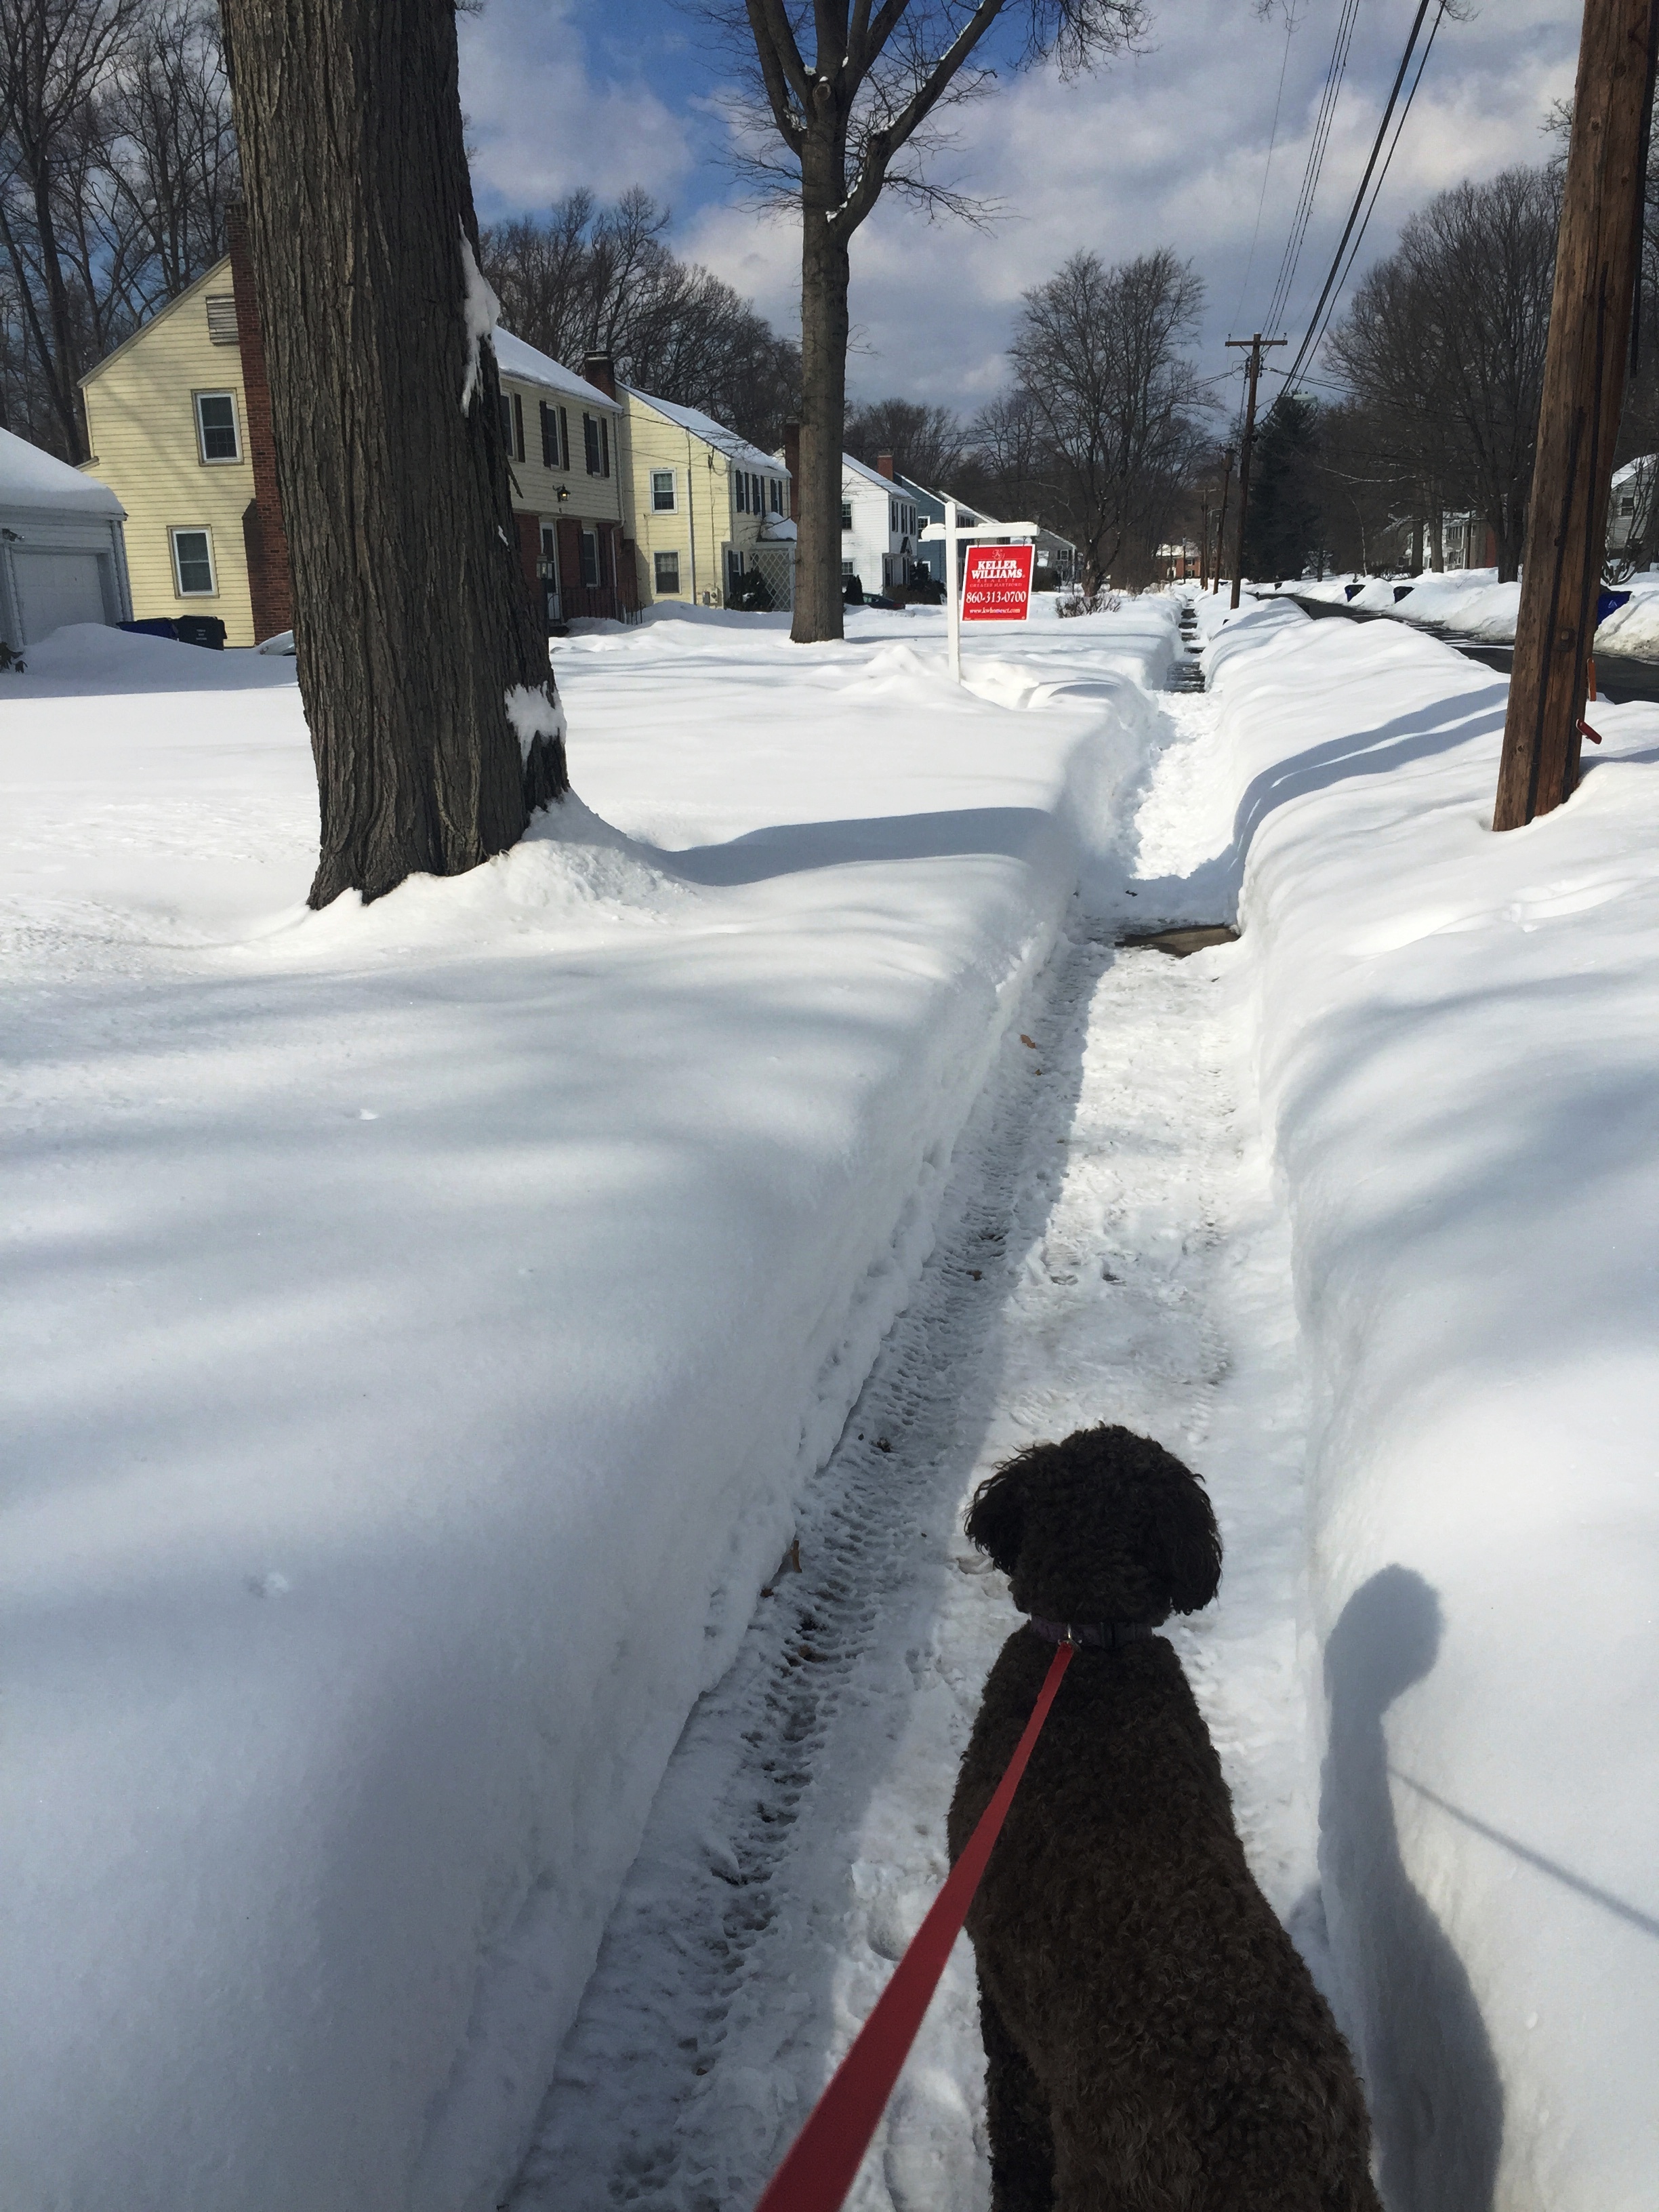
(1184, 1529)
(996, 1518)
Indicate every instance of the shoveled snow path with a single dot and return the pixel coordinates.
(1109, 1249)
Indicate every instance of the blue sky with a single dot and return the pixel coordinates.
(1167, 148)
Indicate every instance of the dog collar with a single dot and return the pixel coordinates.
(1100, 1635)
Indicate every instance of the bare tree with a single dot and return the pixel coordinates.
(56, 59)
(854, 91)
(590, 277)
(1008, 470)
(116, 164)
(1445, 341)
(173, 162)
(1098, 352)
(928, 443)
(423, 668)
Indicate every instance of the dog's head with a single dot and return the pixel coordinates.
(1106, 1526)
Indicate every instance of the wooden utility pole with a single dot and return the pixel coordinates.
(1595, 274)
(1253, 369)
(1221, 526)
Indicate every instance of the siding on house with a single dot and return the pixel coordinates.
(706, 527)
(142, 429)
(879, 531)
(570, 483)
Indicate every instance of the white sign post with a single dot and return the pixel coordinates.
(954, 534)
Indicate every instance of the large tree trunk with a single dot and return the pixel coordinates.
(824, 276)
(422, 663)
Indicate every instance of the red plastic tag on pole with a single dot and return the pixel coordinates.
(823, 2159)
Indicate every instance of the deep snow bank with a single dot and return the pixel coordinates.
(1459, 1061)
(419, 1324)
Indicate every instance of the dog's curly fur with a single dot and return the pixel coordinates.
(1154, 2042)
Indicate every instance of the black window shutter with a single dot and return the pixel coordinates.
(549, 437)
(564, 439)
(517, 428)
(604, 447)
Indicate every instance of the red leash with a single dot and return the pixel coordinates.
(819, 2169)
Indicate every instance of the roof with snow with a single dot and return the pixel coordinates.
(711, 432)
(527, 364)
(849, 467)
(1642, 466)
(29, 477)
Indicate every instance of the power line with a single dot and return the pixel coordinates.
(1302, 355)
(1272, 140)
(1314, 169)
(1383, 178)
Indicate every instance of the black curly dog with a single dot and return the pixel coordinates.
(1154, 2042)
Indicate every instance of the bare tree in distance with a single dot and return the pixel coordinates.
(1445, 339)
(56, 57)
(117, 162)
(423, 667)
(1008, 470)
(854, 93)
(591, 278)
(174, 165)
(928, 444)
(1099, 351)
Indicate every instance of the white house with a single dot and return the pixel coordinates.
(62, 554)
(877, 526)
(1630, 509)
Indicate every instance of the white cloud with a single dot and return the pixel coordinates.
(540, 123)
(1168, 148)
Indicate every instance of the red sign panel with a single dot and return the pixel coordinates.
(996, 583)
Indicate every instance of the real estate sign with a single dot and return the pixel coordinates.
(996, 583)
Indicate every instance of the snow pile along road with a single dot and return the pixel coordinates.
(421, 1323)
(1459, 1050)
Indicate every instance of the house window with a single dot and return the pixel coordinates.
(512, 425)
(590, 558)
(757, 504)
(216, 427)
(740, 490)
(604, 447)
(1627, 506)
(555, 437)
(777, 495)
(662, 501)
(668, 572)
(192, 564)
(847, 514)
(591, 445)
(847, 567)
(222, 318)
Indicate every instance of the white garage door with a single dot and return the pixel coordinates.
(56, 588)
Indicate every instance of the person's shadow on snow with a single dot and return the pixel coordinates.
(1436, 2099)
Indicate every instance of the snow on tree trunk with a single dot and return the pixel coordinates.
(421, 658)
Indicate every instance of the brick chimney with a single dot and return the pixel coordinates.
(600, 371)
(269, 577)
(885, 465)
(792, 462)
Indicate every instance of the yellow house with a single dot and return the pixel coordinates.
(167, 423)
(620, 499)
(709, 508)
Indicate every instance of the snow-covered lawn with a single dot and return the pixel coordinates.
(420, 1324)
(428, 1326)
(1458, 1044)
